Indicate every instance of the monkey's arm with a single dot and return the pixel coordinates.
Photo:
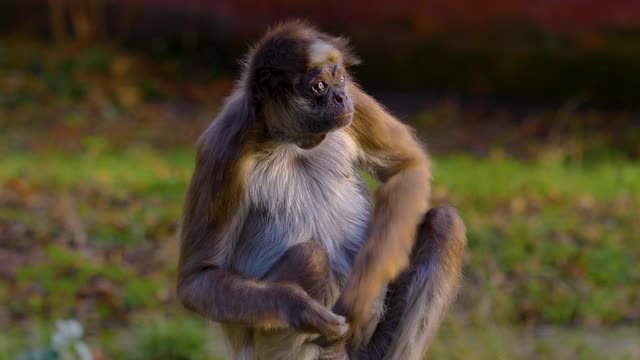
(396, 159)
(223, 295)
(211, 203)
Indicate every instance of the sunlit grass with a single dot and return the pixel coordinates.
(133, 170)
(464, 176)
(550, 244)
(470, 176)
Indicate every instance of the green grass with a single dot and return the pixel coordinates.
(502, 178)
(137, 169)
(465, 176)
(458, 340)
(167, 338)
(552, 245)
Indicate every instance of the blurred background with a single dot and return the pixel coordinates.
(530, 108)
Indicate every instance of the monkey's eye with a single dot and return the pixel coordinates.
(342, 79)
(318, 86)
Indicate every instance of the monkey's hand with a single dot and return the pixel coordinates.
(356, 309)
(305, 314)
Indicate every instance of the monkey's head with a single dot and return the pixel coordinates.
(298, 80)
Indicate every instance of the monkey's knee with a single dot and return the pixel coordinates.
(305, 264)
(441, 231)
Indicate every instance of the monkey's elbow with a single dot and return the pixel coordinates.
(182, 294)
(186, 294)
(194, 296)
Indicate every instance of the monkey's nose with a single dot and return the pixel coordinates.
(339, 99)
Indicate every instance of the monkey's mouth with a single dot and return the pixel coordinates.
(311, 141)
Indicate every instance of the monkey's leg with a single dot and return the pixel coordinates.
(417, 301)
(307, 265)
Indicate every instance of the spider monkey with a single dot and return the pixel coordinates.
(280, 242)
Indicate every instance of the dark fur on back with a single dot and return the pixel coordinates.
(277, 58)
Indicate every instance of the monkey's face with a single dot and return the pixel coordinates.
(315, 104)
(309, 105)
(323, 89)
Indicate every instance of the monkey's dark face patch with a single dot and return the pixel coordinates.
(323, 90)
(309, 104)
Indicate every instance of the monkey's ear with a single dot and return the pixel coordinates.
(267, 81)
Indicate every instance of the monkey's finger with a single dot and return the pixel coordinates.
(332, 318)
(333, 329)
(325, 322)
(326, 342)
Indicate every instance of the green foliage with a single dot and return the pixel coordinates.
(140, 292)
(96, 59)
(494, 341)
(64, 274)
(168, 339)
(10, 344)
(14, 342)
(497, 180)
